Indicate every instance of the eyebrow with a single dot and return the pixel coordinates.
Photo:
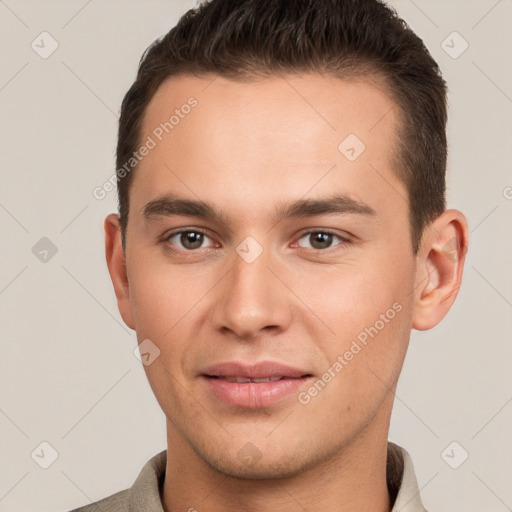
(171, 204)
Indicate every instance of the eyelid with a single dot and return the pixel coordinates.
(344, 239)
(171, 234)
(308, 231)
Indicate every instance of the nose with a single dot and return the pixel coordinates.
(251, 300)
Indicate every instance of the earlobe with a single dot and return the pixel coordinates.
(440, 262)
(116, 263)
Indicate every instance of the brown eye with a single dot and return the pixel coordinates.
(187, 240)
(320, 240)
(191, 239)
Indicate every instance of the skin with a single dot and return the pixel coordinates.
(248, 148)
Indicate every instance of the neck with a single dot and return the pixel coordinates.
(351, 480)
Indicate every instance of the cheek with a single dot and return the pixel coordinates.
(353, 296)
(362, 364)
(364, 312)
(168, 310)
(163, 304)
(161, 296)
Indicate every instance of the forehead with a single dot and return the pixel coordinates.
(276, 136)
(320, 103)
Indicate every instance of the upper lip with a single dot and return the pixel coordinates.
(261, 370)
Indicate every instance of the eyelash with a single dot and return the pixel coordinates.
(166, 239)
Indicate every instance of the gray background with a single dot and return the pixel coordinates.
(67, 369)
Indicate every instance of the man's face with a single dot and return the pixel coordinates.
(239, 296)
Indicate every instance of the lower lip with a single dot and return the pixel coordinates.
(253, 395)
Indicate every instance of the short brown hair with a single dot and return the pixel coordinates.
(251, 39)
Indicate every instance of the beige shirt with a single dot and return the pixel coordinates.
(144, 495)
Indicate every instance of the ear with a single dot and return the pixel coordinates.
(116, 262)
(439, 265)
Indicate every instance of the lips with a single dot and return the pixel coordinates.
(241, 380)
(261, 370)
(253, 385)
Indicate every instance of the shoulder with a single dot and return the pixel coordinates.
(143, 495)
(118, 502)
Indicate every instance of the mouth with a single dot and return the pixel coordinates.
(246, 380)
(253, 386)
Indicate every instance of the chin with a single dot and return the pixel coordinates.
(251, 462)
(284, 467)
